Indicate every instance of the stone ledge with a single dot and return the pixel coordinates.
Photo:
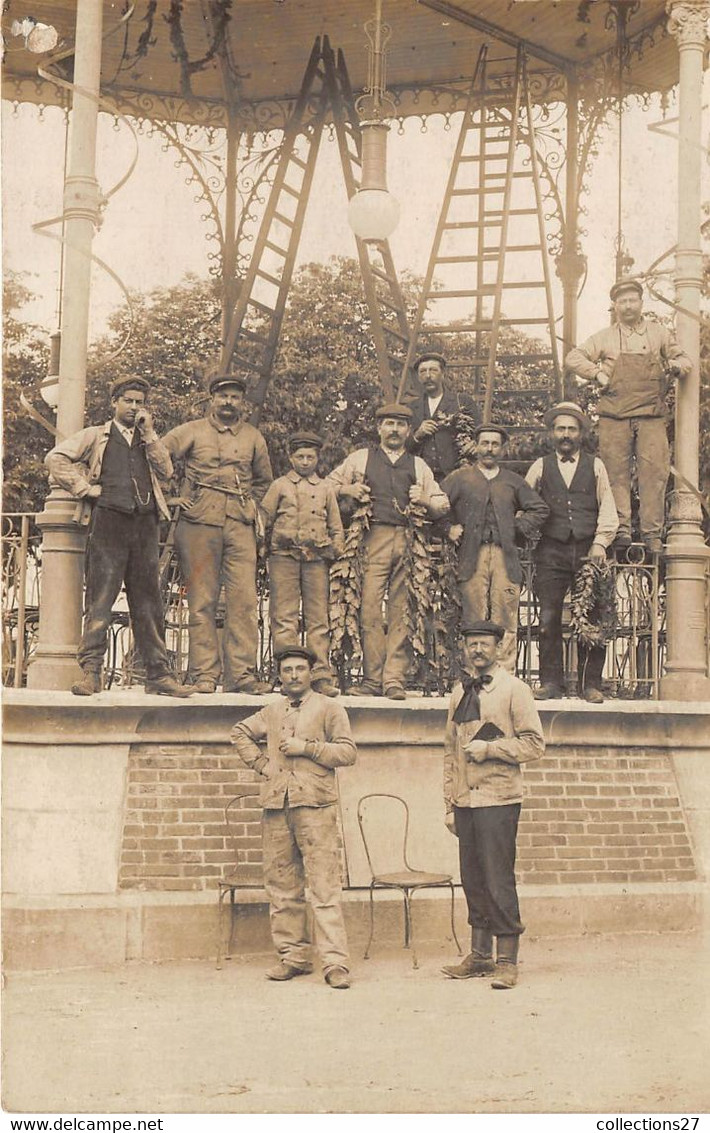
(69, 932)
(36, 717)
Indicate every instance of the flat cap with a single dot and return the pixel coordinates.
(304, 440)
(430, 356)
(483, 629)
(491, 427)
(295, 651)
(221, 381)
(626, 283)
(394, 409)
(568, 409)
(129, 383)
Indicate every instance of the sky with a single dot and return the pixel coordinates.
(152, 233)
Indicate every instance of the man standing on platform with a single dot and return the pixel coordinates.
(306, 736)
(117, 468)
(582, 523)
(433, 435)
(633, 361)
(390, 479)
(491, 507)
(227, 471)
(492, 728)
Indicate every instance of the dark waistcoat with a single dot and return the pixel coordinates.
(573, 510)
(389, 483)
(125, 476)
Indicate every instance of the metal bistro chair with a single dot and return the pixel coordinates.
(233, 881)
(393, 817)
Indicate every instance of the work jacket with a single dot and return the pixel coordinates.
(508, 703)
(230, 457)
(302, 780)
(302, 516)
(518, 509)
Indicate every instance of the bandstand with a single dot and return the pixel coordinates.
(114, 809)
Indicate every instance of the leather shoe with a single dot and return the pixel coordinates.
(251, 685)
(622, 542)
(505, 976)
(395, 692)
(654, 545)
(548, 692)
(204, 685)
(366, 688)
(167, 686)
(470, 967)
(89, 683)
(593, 696)
(337, 977)
(326, 687)
(285, 971)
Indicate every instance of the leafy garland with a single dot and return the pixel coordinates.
(417, 564)
(593, 604)
(462, 426)
(346, 591)
(447, 614)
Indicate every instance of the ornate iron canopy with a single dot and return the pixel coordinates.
(187, 60)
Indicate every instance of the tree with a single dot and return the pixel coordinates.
(25, 364)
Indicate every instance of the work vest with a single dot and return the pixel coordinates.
(390, 484)
(573, 510)
(125, 476)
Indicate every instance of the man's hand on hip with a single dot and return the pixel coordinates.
(450, 823)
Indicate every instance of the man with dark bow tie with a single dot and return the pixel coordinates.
(582, 524)
(492, 728)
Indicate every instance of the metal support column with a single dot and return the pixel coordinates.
(687, 664)
(54, 665)
(571, 262)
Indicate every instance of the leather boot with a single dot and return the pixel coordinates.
(89, 683)
(479, 962)
(506, 971)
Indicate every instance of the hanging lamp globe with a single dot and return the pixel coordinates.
(373, 212)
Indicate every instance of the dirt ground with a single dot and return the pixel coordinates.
(597, 1024)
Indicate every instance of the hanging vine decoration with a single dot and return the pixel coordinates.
(446, 616)
(220, 13)
(418, 615)
(593, 604)
(346, 576)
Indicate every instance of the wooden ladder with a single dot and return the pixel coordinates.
(490, 243)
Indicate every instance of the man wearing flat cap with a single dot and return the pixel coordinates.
(295, 744)
(633, 362)
(433, 431)
(117, 468)
(305, 535)
(226, 473)
(582, 524)
(389, 479)
(492, 728)
(492, 510)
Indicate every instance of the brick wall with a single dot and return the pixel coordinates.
(606, 814)
(174, 835)
(590, 815)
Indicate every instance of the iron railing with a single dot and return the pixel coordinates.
(633, 667)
